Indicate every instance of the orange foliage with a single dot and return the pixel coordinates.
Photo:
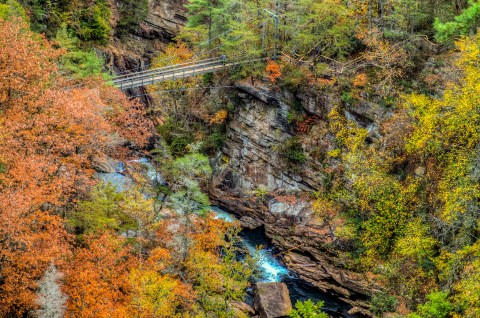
(360, 80)
(47, 136)
(219, 117)
(326, 82)
(96, 280)
(273, 70)
(304, 126)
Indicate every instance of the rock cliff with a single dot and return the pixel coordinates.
(253, 179)
(135, 50)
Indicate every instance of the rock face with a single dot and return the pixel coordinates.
(272, 300)
(253, 163)
(135, 51)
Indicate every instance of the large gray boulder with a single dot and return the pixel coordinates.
(272, 300)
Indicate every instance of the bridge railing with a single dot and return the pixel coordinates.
(160, 69)
(166, 71)
(178, 72)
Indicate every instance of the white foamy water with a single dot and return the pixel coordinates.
(269, 268)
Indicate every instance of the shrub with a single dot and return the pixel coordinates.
(382, 302)
(293, 151)
(437, 306)
(295, 77)
(308, 309)
(132, 12)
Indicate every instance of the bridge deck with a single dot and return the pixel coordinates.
(174, 72)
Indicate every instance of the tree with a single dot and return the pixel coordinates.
(11, 9)
(93, 22)
(48, 135)
(320, 28)
(75, 62)
(465, 23)
(204, 17)
(132, 12)
(110, 209)
(185, 177)
(96, 278)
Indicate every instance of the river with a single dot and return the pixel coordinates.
(271, 269)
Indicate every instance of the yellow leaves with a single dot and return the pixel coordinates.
(470, 48)
(416, 241)
(156, 295)
(335, 153)
(219, 117)
(346, 132)
(462, 268)
(446, 129)
(174, 54)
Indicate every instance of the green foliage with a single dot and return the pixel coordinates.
(347, 98)
(292, 151)
(308, 309)
(213, 141)
(205, 17)
(109, 209)
(94, 22)
(464, 24)
(295, 77)
(260, 192)
(132, 12)
(47, 16)
(324, 27)
(176, 136)
(186, 176)
(382, 303)
(10, 9)
(77, 63)
(437, 306)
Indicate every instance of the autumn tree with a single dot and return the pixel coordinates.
(111, 209)
(96, 278)
(48, 135)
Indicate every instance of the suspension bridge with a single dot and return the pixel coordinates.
(175, 72)
(193, 68)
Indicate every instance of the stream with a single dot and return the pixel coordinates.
(269, 266)
(271, 269)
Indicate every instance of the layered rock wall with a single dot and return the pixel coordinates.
(253, 179)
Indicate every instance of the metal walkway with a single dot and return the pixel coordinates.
(174, 72)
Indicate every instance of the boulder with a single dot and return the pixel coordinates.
(249, 222)
(105, 164)
(272, 300)
(242, 309)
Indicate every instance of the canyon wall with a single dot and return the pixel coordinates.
(135, 50)
(253, 179)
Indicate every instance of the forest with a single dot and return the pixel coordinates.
(397, 187)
